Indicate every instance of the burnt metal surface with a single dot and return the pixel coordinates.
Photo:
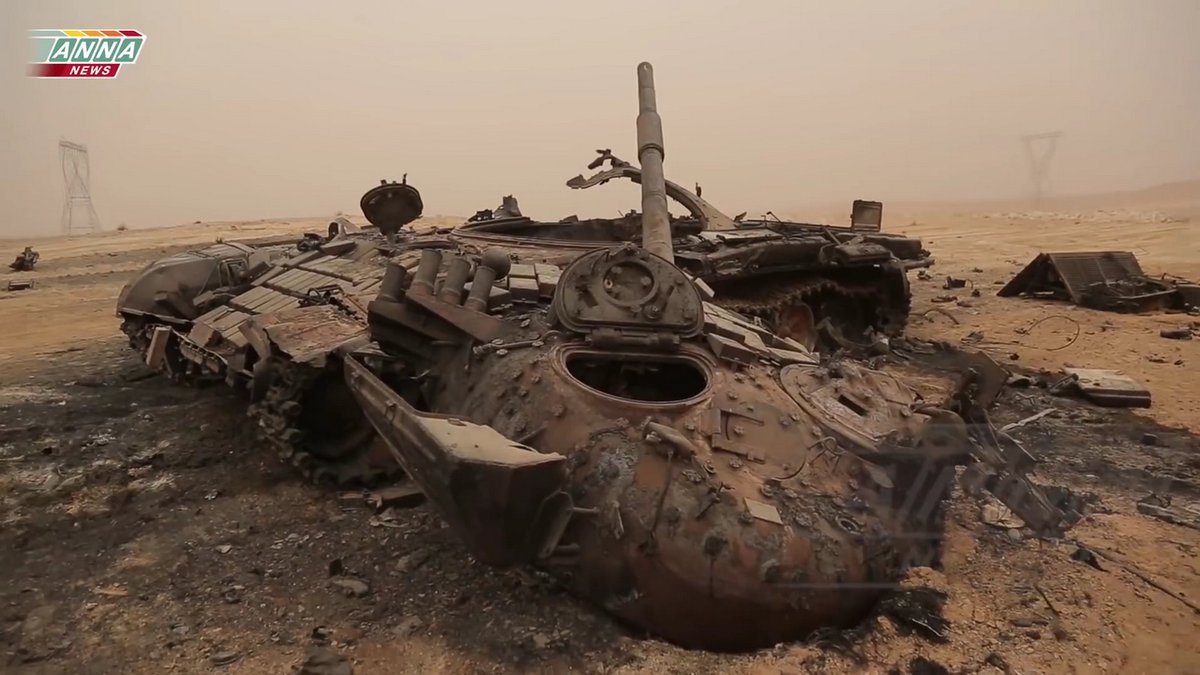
(629, 290)
(1108, 280)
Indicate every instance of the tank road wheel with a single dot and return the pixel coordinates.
(796, 321)
(312, 420)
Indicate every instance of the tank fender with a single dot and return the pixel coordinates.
(504, 499)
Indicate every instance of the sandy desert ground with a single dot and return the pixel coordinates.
(141, 532)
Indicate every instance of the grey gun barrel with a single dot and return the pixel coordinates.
(656, 220)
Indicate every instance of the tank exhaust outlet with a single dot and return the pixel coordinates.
(456, 277)
(427, 271)
(391, 288)
(656, 220)
(493, 265)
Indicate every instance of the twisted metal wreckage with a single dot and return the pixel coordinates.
(639, 406)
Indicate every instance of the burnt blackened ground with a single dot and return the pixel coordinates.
(143, 528)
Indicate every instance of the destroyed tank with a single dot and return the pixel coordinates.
(25, 261)
(791, 277)
(589, 409)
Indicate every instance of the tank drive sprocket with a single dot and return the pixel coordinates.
(305, 414)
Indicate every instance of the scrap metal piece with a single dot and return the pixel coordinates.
(1189, 295)
(1157, 507)
(1108, 280)
(763, 511)
(25, 261)
(307, 335)
(157, 353)
(405, 494)
(866, 216)
(1108, 387)
(709, 216)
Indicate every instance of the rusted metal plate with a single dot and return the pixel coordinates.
(859, 405)
(482, 327)
(547, 279)
(1109, 387)
(276, 303)
(524, 289)
(202, 334)
(250, 299)
(296, 281)
(1189, 294)
(213, 315)
(229, 320)
(523, 270)
(730, 350)
(309, 334)
(157, 352)
(254, 304)
(763, 511)
(866, 216)
(234, 336)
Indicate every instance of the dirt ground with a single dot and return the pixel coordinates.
(143, 529)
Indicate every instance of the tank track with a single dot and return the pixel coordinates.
(769, 298)
(279, 417)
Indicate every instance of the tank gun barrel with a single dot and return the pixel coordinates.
(656, 221)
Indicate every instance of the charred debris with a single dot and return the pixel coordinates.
(1106, 280)
(25, 261)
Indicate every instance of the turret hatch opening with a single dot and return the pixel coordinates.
(641, 378)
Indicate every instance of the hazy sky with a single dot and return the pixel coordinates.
(242, 110)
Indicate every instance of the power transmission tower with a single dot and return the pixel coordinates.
(1039, 150)
(78, 214)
